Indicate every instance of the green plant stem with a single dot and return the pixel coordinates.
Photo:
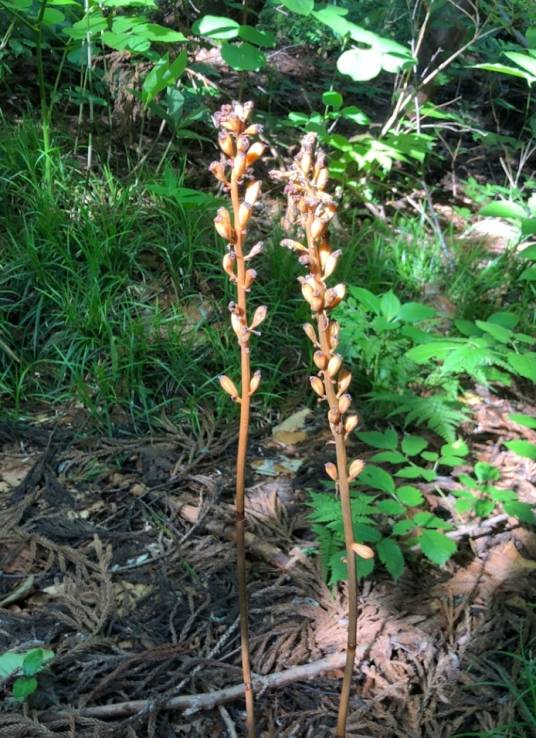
(241, 470)
(45, 122)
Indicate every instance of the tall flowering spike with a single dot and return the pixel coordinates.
(311, 209)
(236, 139)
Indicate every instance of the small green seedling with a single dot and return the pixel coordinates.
(19, 670)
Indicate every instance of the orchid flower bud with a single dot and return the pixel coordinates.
(249, 278)
(334, 365)
(217, 169)
(350, 423)
(255, 152)
(226, 144)
(344, 403)
(252, 193)
(255, 251)
(258, 316)
(229, 264)
(317, 385)
(320, 359)
(356, 467)
(364, 552)
(255, 382)
(228, 386)
(222, 223)
(331, 471)
(244, 214)
(310, 333)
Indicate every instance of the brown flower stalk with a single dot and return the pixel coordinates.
(313, 209)
(233, 170)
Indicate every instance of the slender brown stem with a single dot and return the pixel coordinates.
(343, 486)
(241, 469)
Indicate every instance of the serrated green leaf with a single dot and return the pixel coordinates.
(504, 335)
(430, 456)
(485, 472)
(483, 508)
(523, 448)
(409, 495)
(504, 318)
(415, 312)
(403, 527)
(391, 507)
(377, 478)
(416, 472)
(429, 520)
(436, 350)
(391, 457)
(521, 510)
(465, 504)
(436, 546)
(391, 556)
(366, 533)
(413, 445)
(387, 439)
(451, 461)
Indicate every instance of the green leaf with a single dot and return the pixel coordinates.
(391, 457)
(243, 57)
(416, 472)
(360, 64)
(521, 510)
(216, 26)
(465, 504)
(414, 312)
(523, 448)
(10, 663)
(429, 520)
(302, 7)
(486, 472)
(413, 445)
(161, 34)
(529, 274)
(527, 420)
(357, 116)
(456, 448)
(451, 461)
(530, 35)
(391, 507)
(332, 16)
(403, 527)
(377, 478)
(369, 300)
(390, 305)
(391, 557)
(23, 687)
(35, 660)
(434, 350)
(51, 17)
(504, 209)
(163, 74)
(529, 252)
(504, 318)
(91, 24)
(523, 364)
(504, 69)
(332, 99)
(364, 567)
(525, 61)
(504, 335)
(483, 508)
(430, 456)
(254, 36)
(436, 546)
(366, 533)
(409, 495)
(387, 439)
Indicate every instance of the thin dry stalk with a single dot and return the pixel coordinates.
(314, 208)
(239, 153)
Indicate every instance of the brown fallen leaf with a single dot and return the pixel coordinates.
(292, 430)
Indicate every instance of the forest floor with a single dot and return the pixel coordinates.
(120, 554)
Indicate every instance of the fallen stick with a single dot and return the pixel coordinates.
(207, 700)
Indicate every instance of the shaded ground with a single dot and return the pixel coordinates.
(119, 556)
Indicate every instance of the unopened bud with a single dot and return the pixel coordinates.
(255, 382)
(320, 359)
(255, 251)
(225, 141)
(350, 423)
(333, 334)
(331, 471)
(310, 333)
(229, 264)
(228, 386)
(317, 385)
(252, 193)
(306, 162)
(253, 130)
(239, 166)
(318, 227)
(222, 223)
(335, 295)
(258, 316)
(322, 178)
(364, 552)
(292, 245)
(334, 365)
(344, 403)
(356, 467)
(334, 417)
(242, 144)
(244, 214)
(330, 264)
(238, 325)
(217, 169)
(345, 379)
(317, 304)
(255, 152)
(249, 278)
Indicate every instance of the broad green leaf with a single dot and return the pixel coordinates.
(389, 305)
(302, 7)
(435, 350)
(504, 209)
(161, 34)
(254, 36)
(163, 74)
(403, 527)
(333, 99)
(521, 510)
(357, 116)
(414, 312)
(504, 69)
(366, 533)
(523, 448)
(23, 687)
(391, 457)
(483, 508)
(391, 507)
(527, 420)
(35, 660)
(391, 557)
(529, 274)
(456, 448)
(430, 456)
(10, 663)
(90, 24)
(387, 439)
(174, 102)
(360, 65)
(332, 16)
(501, 334)
(436, 546)
(413, 445)
(429, 520)
(525, 61)
(364, 567)
(465, 504)
(530, 35)
(485, 472)
(52, 17)
(368, 299)
(504, 318)
(243, 57)
(523, 364)
(216, 26)
(410, 496)
(416, 472)
(528, 227)
(128, 3)
(529, 252)
(377, 478)
(451, 461)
